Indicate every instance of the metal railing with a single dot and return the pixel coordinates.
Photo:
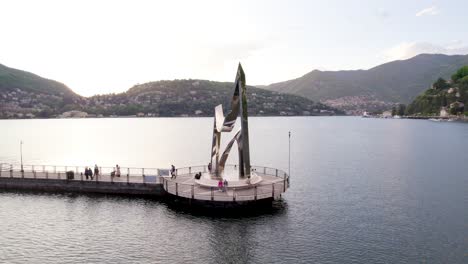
(258, 169)
(105, 174)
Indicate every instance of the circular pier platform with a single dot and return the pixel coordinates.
(264, 184)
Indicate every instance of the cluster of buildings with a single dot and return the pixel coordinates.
(356, 105)
(17, 103)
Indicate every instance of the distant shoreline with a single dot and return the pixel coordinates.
(147, 117)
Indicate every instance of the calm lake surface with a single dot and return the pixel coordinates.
(362, 191)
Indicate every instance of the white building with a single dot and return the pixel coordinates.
(387, 114)
(443, 112)
(74, 114)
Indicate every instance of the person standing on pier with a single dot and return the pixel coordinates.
(117, 170)
(173, 171)
(96, 170)
(86, 172)
(220, 185)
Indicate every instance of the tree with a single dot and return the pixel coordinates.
(444, 100)
(462, 72)
(394, 111)
(440, 84)
(401, 109)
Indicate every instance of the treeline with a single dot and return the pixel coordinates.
(446, 95)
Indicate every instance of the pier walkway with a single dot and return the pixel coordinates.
(132, 181)
(266, 183)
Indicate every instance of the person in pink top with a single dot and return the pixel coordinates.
(220, 185)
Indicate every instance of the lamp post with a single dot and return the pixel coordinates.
(21, 153)
(289, 163)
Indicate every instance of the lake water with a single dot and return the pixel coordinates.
(362, 191)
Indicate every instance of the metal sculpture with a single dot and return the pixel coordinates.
(226, 124)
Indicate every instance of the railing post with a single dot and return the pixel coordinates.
(176, 189)
(32, 167)
(273, 190)
(190, 170)
(81, 177)
(22, 173)
(143, 171)
(11, 171)
(34, 173)
(276, 172)
(255, 193)
(284, 185)
(193, 192)
(233, 194)
(212, 194)
(264, 170)
(128, 176)
(1, 169)
(47, 174)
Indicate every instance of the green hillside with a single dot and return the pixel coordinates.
(13, 79)
(198, 98)
(23, 93)
(451, 96)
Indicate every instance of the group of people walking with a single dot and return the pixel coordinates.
(90, 175)
(116, 171)
(89, 172)
(222, 185)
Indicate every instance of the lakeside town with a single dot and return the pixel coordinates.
(182, 98)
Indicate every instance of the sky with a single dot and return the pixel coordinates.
(98, 47)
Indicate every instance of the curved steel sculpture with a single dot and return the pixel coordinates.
(226, 124)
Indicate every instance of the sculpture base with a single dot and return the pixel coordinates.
(264, 184)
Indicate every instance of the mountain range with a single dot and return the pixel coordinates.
(316, 93)
(378, 88)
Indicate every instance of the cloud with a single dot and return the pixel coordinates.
(430, 11)
(407, 50)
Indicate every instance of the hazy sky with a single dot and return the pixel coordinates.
(108, 46)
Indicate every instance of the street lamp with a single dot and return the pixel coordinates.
(289, 164)
(21, 152)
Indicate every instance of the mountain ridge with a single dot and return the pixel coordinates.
(379, 87)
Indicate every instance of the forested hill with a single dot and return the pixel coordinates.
(13, 80)
(198, 98)
(449, 96)
(24, 93)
